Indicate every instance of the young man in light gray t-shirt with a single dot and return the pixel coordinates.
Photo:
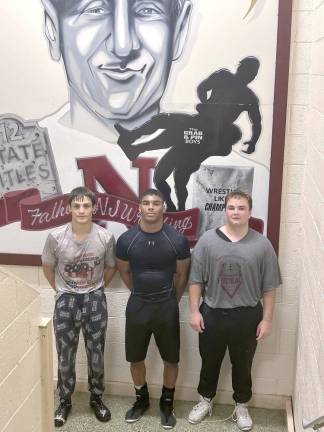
(233, 267)
(78, 261)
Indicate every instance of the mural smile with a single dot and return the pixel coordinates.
(120, 74)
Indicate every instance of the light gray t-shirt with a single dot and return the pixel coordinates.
(234, 274)
(79, 265)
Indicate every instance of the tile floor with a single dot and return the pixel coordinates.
(82, 419)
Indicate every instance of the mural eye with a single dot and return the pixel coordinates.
(95, 11)
(148, 12)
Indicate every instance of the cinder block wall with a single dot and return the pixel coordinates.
(306, 143)
(20, 372)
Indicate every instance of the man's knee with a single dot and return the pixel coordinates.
(171, 365)
(137, 365)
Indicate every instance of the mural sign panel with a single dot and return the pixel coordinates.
(122, 95)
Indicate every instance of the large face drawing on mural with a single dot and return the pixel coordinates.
(117, 54)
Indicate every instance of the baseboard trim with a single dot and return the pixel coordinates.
(290, 415)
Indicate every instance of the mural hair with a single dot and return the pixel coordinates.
(175, 6)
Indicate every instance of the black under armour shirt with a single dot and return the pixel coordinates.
(152, 258)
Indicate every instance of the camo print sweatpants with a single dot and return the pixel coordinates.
(73, 312)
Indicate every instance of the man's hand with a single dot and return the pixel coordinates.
(250, 147)
(264, 329)
(197, 322)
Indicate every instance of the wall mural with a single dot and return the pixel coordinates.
(174, 94)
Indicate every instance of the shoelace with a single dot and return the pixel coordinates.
(138, 402)
(233, 415)
(201, 404)
(240, 411)
(100, 403)
(238, 408)
(168, 407)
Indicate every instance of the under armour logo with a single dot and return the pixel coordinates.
(151, 243)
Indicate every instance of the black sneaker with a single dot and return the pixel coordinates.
(141, 405)
(99, 408)
(62, 412)
(168, 418)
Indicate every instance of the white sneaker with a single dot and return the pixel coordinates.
(242, 417)
(199, 411)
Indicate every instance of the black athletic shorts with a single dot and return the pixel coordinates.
(144, 318)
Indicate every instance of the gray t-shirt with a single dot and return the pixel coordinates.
(79, 265)
(234, 274)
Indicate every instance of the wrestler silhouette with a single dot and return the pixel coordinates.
(194, 138)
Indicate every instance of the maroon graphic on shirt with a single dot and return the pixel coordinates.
(81, 269)
(79, 274)
(230, 278)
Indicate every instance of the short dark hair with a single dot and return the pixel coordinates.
(81, 192)
(237, 193)
(150, 192)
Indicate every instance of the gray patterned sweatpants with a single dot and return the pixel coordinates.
(73, 312)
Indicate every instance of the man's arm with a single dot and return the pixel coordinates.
(264, 327)
(49, 272)
(109, 273)
(255, 118)
(196, 319)
(181, 277)
(125, 273)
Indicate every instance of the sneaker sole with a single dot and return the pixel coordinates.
(133, 420)
(166, 426)
(138, 418)
(194, 422)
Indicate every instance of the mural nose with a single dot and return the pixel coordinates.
(122, 30)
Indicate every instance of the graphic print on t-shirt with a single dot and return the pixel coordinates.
(230, 276)
(79, 274)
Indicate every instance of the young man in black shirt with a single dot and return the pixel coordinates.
(153, 260)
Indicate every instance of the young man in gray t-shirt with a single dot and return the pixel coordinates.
(233, 267)
(78, 261)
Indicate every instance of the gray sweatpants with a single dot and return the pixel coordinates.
(72, 312)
